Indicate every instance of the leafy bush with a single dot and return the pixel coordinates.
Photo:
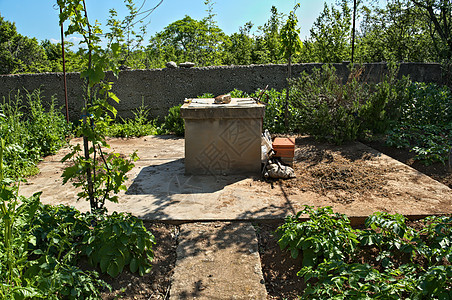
(174, 122)
(140, 125)
(331, 110)
(30, 131)
(332, 270)
(117, 241)
(42, 245)
(324, 236)
(425, 123)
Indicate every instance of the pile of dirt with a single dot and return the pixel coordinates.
(331, 172)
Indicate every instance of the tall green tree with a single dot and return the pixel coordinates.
(18, 53)
(395, 33)
(291, 45)
(439, 15)
(239, 47)
(100, 175)
(330, 36)
(268, 40)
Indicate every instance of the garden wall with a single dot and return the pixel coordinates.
(160, 89)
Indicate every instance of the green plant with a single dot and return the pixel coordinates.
(382, 275)
(174, 122)
(328, 109)
(324, 236)
(424, 123)
(31, 129)
(98, 174)
(138, 126)
(30, 267)
(119, 240)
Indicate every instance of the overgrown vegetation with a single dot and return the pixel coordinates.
(32, 127)
(43, 246)
(425, 123)
(387, 259)
(140, 125)
(415, 115)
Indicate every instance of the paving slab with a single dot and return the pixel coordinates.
(217, 261)
(158, 189)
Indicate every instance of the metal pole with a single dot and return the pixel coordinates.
(353, 30)
(64, 70)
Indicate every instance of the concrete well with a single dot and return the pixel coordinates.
(222, 139)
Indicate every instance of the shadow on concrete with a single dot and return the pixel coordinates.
(237, 235)
(168, 137)
(168, 179)
(169, 186)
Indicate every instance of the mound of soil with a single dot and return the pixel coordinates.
(340, 176)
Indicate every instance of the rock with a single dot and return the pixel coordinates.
(124, 67)
(223, 99)
(186, 64)
(171, 65)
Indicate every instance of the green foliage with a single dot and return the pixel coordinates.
(330, 36)
(97, 173)
(19, 54)
(338, 274)
(140, 125)
(424, 123)
(108, 174)
(290, 40)
(328, 108)
(189, 40)
(43, 245)
(174, 122)
(325, 236)
(117, 241)
(30, 272)
(31, 129)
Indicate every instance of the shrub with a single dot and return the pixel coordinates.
(424, 123)
(174, 122)
(331, 269)
(140, 125)
(30, 131)
(328, 109)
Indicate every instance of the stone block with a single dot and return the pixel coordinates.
(222, 139)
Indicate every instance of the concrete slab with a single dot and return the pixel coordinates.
(158, 189)
(217, 261)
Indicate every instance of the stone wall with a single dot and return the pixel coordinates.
(160, 89)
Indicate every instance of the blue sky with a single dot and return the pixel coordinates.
(39, 18)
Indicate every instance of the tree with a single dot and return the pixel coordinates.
(268, 41)
(98, 174)
(200, 42)
(291, 45)
(329, 40)
(18, 53)
(396, 32)
(239, 47)
(439, 13)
